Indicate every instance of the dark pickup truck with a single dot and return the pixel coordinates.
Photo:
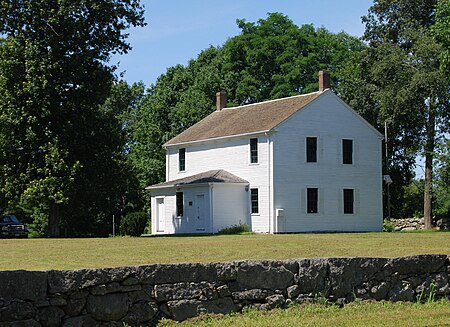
(10, 226)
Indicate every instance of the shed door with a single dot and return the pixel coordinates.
(160, 212)
(200, 212)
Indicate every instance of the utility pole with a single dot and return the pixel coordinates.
(387, 180)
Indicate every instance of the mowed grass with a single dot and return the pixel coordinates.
(46, 254)
(355, 314)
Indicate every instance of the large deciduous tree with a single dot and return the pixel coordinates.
(410, 89)
(441, 32)
(57, 143)
(269, 59)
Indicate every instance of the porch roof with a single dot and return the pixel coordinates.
(211, 176)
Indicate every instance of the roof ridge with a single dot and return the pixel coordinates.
(269, 101)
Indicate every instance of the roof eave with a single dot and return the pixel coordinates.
(166, 145)
(192, 185)
(156, 187)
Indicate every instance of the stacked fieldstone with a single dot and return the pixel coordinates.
(408, 224)
(143, 295)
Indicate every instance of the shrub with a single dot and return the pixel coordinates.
(235, 229)
(133, 224)
(148, 227)
(388, 225)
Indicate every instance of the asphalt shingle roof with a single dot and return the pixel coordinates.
(252, 118)
(211, 176)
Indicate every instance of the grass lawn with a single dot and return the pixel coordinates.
(354, 314)
(44, 254)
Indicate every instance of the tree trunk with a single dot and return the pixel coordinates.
(427, 198)
(429, 150)
(54, 219)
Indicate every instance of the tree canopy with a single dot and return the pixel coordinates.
(410, 90)
(59, 148)
(269, 59)
(78, 146)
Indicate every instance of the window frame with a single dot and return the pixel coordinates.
(312, 200)
(347, 152)
(182, 159)
(252, 201)
(254, 153)
(348, 203)
(311, 157)
(179, 202)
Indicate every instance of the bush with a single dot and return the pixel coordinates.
(148, 227)
(235, 229)
(133, 224)
(388, 225)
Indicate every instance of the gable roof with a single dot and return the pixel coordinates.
(211, 176)
(247, 119)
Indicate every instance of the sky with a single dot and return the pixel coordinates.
(178, 30)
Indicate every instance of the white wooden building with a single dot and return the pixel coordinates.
(305, 163)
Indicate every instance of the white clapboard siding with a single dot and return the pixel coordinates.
(282, 175)
(188, 223)
(233, 155)
(328, 119)
(230, 206)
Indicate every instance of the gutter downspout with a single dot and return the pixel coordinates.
(211, 208)
(167, 164)
(271, 231)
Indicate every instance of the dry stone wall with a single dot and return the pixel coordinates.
(410, 224)
(142, 295)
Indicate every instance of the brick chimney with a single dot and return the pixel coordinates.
(324, 80)
(221, 100)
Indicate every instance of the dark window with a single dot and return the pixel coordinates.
(348, 201)
(180, 207)
(312, 200)
(253, 150)
(182, 159)
(311, 149)
(254, 198)
(347, 152)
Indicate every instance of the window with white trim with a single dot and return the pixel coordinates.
(254, 200)
(312, 200)
(254, 150)
(311, 149)
(182, 159)
(349, 198)
(180, 204)
(347, 152)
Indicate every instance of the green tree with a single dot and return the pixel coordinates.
(269, 59)
(275, 58)
(441, 32)
(410, 89)
(56, 141)
(443, 180)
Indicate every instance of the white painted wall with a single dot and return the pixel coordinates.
(282, 158)
(330, 121)
(232, 155)
(230, 206)
(189, 223)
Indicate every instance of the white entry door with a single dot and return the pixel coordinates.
(200, 212)
(160, 213)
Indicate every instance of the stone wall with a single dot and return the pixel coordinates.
(410, 224)
(145, 294)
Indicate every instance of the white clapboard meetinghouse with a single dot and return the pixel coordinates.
(305, 163)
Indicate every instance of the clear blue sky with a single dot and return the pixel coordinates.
(178, 30)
